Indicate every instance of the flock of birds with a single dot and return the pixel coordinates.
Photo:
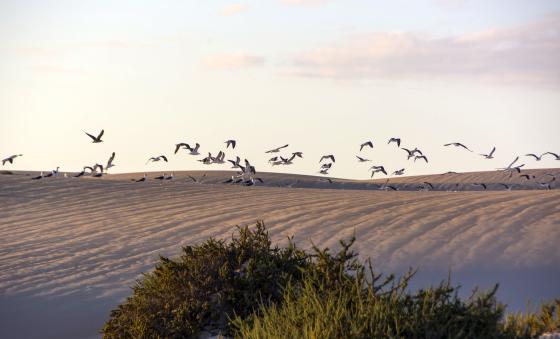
(246, 172)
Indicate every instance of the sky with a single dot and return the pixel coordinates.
(323, 76)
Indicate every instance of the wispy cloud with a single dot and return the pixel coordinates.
(232, 9)
(526, 54)
(230, 61)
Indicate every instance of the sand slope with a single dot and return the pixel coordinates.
(70, 248)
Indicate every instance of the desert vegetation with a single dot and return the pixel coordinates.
(248, 288)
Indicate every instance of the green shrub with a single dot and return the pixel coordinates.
(247, 288)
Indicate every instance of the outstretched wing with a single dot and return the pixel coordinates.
(101, 134)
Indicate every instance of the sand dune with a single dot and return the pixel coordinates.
(71, 248)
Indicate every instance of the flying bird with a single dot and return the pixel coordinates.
(231, 143)
(110, 162)
(96, 139)
(179, 145)
(489, 155)
(330, 156)
(298, 154)
(158, 158)
(367, 143)
(360, 159)
(194, 151)
(10, 159)
(537, 158)
(417, 157)
(276, 150)
(235, 163)
(410, 153)
(553, 154)
(377, 169)
(399, 172)
(396, 140)
(458, 144)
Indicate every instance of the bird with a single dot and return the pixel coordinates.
(367, 143)
(399, 172)
(194, 151)
(235, 163)
(160, 177)
(298, 154)
(158, 158)
(53, 173)
(276, 150)
(82, 173)
(96, 139)
(179, 145)
(526, 176)
(219, 159)
(410, 153)
(96, 166)
(417, 157)
(144, 178)
(10, 159)
(327, 165)
(489, 155)
(171, 177)
(324, 171)
(97, 175)
(251, 181)
(553, 154)
(330, 156)
(537, 158)
(377, 169)
(396, 140)
(288, 161)
(110, 162)
(273, 159)
(40, 176)
(229, 181)
(507, 187)
(458, 144)
(207, 160)
(231, 143)
(360, 159)
(480, 184)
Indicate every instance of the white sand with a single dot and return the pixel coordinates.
(71, 248)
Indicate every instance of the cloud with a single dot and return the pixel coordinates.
(228, 61)
(233, 9)
(304, 2)
(528, 53)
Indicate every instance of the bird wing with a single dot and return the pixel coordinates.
(100, 134)
(91, 136)
(532, 155)
(163, 157)
(110, 162)
(493, 150)
(513, 162)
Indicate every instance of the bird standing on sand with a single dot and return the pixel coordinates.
(40, 176)
(144, 178)
(96, 139)
(158, 158)
(10, 159)
(367, 143)
(489, 155)
(458, 144)
(276, 150)
(231, 143)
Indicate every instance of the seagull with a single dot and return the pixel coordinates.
(97, 175)
(161, 177)
(458, 144)
(53, 173)
(330, 156)
(276, 150)
(82, 173)
(229, 181)
(420, 157)
(96, 139)
(219, 159)
(194, 151)
(158, 158)
(553, 154)
(179, 145)
(489, 155)
(171, 177)
(11, 158)
(397, 140)
(273, 159)
(507, 187)
(410, 153)
(377, 169)
(40, 176)
(367, 143)
(110, 162)
(327, 166)
(480, 184)
(298, 154)
(231, 143)
(208, 160)
(251, 181)
(399, 172)
(360, 159)
(144, 178)
(324, 171)
(537, 158)
(97, 166)
(235, 163)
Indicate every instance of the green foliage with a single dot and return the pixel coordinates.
(247, 288)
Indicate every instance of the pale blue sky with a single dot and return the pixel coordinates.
(323, 77)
